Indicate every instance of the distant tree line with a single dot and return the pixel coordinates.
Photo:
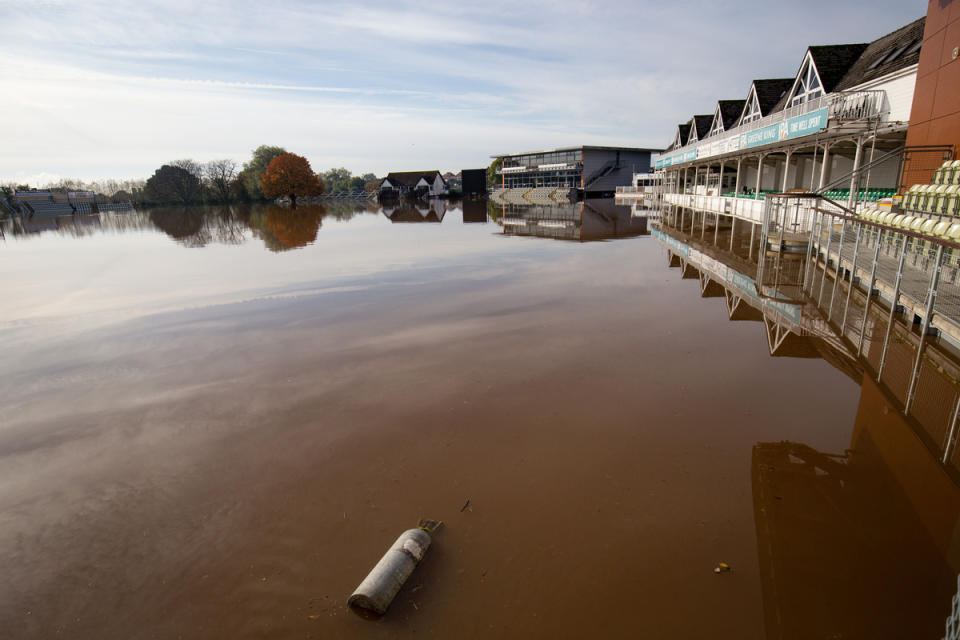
(215, 182)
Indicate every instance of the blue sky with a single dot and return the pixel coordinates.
(99, 89)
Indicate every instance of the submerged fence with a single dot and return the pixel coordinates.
(892, 294)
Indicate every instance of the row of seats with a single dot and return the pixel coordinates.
(943, 199)
(863, 195)
(948, 173)
(948, 229)
(48, 206)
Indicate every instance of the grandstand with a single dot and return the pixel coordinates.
(845, 109)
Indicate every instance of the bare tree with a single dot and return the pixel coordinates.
(219, 176)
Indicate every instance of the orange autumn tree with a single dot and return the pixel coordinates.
(290, 175)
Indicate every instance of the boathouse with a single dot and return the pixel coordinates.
(424, 184)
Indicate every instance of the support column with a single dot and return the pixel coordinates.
(736, 188)
(824, 166)
(852, 200)
(786, 171)
(759, 175)
(720, 185)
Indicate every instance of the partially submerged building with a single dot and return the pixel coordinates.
(474, 182)
(591, 170)
(421, 184)
(846, 107)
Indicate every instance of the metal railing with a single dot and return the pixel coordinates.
(889, 293)
(886, 298)
(919, 164)
(843, 106)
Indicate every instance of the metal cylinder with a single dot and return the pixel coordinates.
(381, 585)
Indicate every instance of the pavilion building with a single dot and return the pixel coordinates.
(845, 110)
(591, 170)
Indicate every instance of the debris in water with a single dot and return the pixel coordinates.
(386, 578)
(465, 505)
(722, 567)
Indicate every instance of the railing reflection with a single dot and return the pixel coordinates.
(859, 543)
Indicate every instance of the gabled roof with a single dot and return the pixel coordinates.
(703, 122)
(834, 61)
(894, 51)
(683, 132)
(730, 111)
(770, 92)
(411, 178)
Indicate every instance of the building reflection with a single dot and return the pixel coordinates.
(862, 543)
(584, 221)
(419, 211)
(474, 211)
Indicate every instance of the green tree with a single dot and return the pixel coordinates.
(337, 180)
(493, 178)
(253, 170)
(172, 184)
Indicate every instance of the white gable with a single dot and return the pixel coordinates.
(807, 85)
(751, 110)
(717, 126)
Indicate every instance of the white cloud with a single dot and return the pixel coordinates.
(384, 85)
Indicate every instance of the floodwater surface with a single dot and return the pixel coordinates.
(215, 422)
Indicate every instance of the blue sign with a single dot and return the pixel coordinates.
(674, 245)
(795, 127)
(805, 125)
(677, 158)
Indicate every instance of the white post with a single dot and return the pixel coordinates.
(786, 171)
(759, 176)
(824, 172)
(852, 199)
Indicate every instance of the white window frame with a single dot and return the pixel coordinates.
(802, 91)
(751, 110)
(677, 142)
(717, 127)
(693, 132)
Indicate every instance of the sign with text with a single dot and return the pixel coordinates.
(795, 127)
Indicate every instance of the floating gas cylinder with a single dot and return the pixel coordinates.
(385, 580)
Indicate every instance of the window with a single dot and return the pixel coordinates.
(751, 111)
(693, 132)
(808, 85)
(717, 123)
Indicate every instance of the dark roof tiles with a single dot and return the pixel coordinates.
(898, 46)
(411, 178)
(770, 91)
(703, 125)
(730, 111)
(833, 62)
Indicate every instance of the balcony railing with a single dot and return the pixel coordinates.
(841, 106)
(558, 166)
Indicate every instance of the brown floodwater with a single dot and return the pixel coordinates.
(215, 422)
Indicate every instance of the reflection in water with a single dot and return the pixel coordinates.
(474, 211)
(284, 229)
(585, 221)
(417, 211)
(231, 471)
(859, 544)
(279, 228)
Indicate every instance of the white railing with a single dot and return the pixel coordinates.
(745, 208)
(842, 106)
